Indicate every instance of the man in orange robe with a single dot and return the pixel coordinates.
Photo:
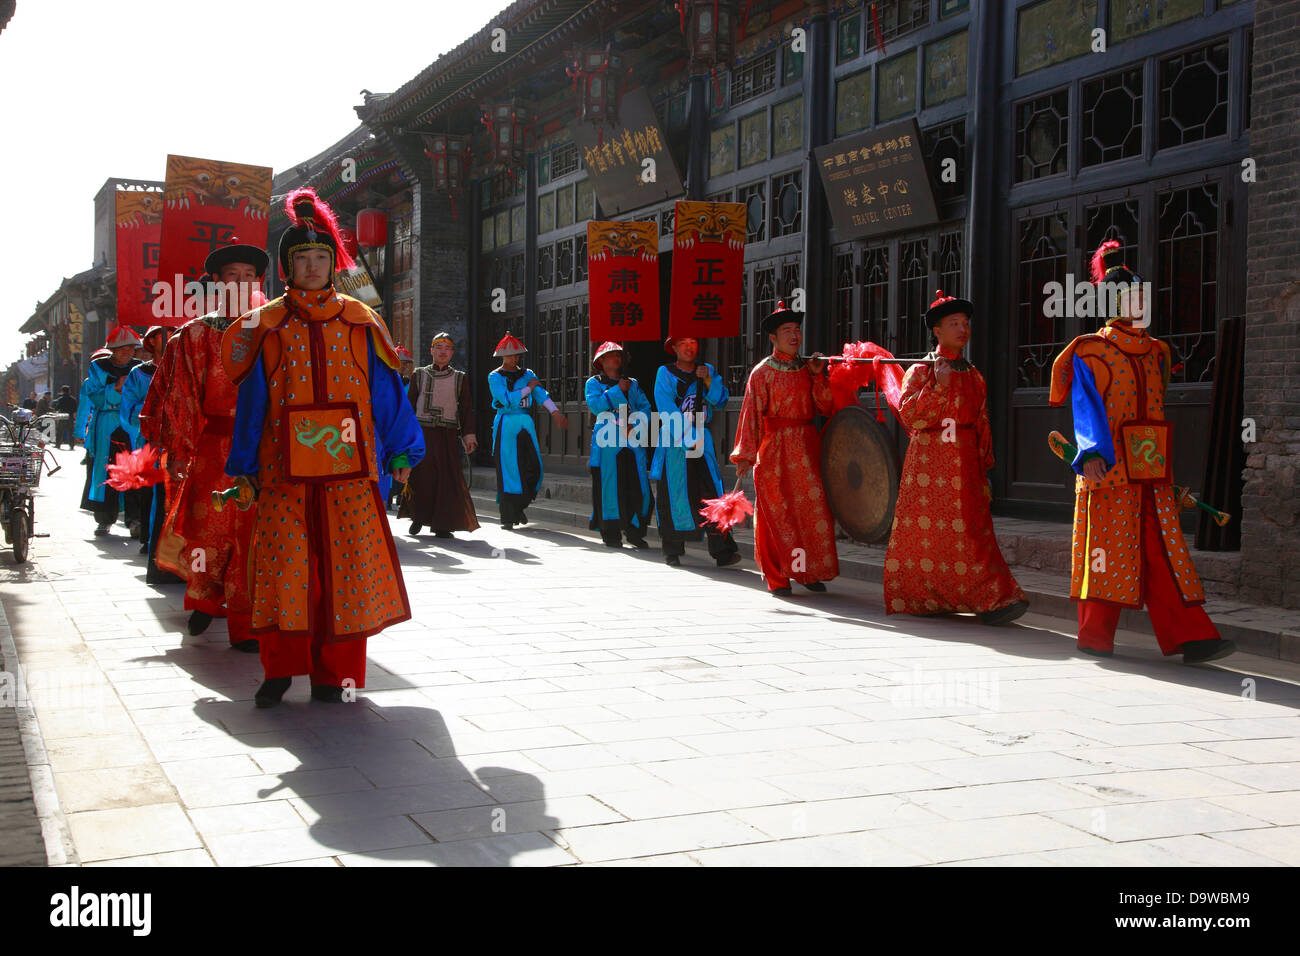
(319, 396)
(1128, 548)
(942, 555)
(794, 534)
(190, 413)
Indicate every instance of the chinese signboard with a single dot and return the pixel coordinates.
(208, 204)
(876, 182)
(138, 216)
(629, 163)
(623, 280)
(708, 259)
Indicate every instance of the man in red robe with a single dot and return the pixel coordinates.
(190, 412)
(794, 534)
(943, 556)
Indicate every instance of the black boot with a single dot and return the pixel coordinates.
(199, 621)
(272, 689)
(1005, 614)
(415, 528)
(443, 534)
(816, 587)
(249, 646)
(1202, 652)
(1094, 652)
(327, 694)
(672, 561)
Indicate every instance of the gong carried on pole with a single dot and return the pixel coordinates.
(860, 472)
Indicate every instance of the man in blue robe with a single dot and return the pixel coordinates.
(621, 500)
(105, 436)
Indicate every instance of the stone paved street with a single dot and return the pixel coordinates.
(553, 703)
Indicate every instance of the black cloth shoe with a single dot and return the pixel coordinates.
(672, 561)
(507, 526)
(614, 544)
(1005, 614)
(443, 534)
(782, 592)
(415, 528)
(1092, 651)
(199, 622)
(1202, 652)
(816, 587)
(101, 530)
(144, 548)
(523, 518)
(327, 694)
(729, 560)
(272, 689)
(639, 543)
(249, 646)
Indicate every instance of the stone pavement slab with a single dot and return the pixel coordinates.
(683, 717)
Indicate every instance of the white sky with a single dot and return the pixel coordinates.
(91, 89)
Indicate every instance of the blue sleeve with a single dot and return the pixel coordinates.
(665, 390)
(83, 411)
(639, 402)
(1091, 429)
(133, 392)
(396, 430)
(502, 397)
(717, 395)
(250, 419)
(599, 398)
(539, 395)
(96, 386)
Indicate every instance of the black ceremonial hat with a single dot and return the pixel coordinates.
(779, 317)
(240, 252)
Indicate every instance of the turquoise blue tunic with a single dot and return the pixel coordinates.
(612, 511)
(514, 437)
(676, 390)
(133, 392)
(106, 400)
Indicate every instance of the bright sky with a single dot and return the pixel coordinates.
(91, 90)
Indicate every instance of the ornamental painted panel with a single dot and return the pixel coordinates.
(853, 103)
(896, 89)
(489, 230)
(787, 126)
(586, 201)
(545, 213)
(945, 68)
(1052, 32)
(753, 138)
(564, 207)
(722, 151)
(503, 227)
(517, 223)
(1129, 18)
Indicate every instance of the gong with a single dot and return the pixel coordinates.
(860, 472)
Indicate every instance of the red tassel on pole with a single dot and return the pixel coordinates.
(875, 28)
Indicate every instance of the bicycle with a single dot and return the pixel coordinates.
(22, 457)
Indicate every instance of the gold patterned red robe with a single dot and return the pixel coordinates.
(190, 412)
(942, 554)
(319, 394)
(794, 534)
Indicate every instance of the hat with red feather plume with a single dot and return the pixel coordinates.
(1108, 265)
(312, 225)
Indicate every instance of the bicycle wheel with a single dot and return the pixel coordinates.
(18, 534)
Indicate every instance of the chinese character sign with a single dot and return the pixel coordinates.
(629, 164)
(876, 182)
(139, 233)
(623, 280)
(708, 259)
(208, 204)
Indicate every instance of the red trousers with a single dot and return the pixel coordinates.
(328, 664)
(1174, 622)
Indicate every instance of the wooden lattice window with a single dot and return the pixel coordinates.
(1194, 95)
(754, 78)
(1186, 315)
(1043, 259)
(787, 204)
(754, 199)
(1042, 135)
(1112, 117)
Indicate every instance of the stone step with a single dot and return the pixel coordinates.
(1037, 551)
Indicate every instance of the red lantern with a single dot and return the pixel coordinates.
(598, 81)
(449, 156)
(349, 237)
(708, 28)
(372, 228)
(509, 125)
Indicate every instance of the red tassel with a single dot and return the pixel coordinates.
(726, 512)
(1098, 266)
(848, 377)
(875, 27)
(135, 469)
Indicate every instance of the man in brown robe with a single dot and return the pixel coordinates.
(436, 495)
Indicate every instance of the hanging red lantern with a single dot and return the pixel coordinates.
(598, 81)
(372, 228)
(509, 126)
(708, 25)
(449, 156)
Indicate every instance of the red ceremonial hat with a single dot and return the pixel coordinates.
(121, 336)
(404, 354)
(779, 317)
(670, 343)
(100, 353)
(605, 349)
(509, 345)
(946, 305)
(153, 330)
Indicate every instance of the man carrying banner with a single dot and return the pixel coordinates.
(190, 413)
(1128, 549)
(318, 390)
(943, 556)
(794, 535)
(105, 436)
(621, 500)
(436, 496)
(514, 436)
(685, 462)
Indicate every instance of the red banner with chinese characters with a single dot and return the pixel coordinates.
(138, 218)
(708, 262)
(623, 280)
(209, 204)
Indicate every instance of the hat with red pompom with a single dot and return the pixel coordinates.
(509, 345)
(946, 305)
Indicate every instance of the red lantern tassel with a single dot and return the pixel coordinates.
(135, 469)
(728, 511)
(875, 28)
